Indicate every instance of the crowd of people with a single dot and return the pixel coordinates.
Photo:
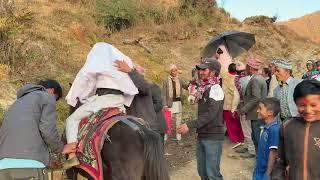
(266, 113)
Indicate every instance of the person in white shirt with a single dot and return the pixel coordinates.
(97, 75)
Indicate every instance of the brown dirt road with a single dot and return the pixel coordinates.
(183, 165)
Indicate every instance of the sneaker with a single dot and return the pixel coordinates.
(70, 163)
(180, 143)
(241, 150)
(247, 155)
(233, 156)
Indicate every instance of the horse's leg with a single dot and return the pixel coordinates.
(123, 156)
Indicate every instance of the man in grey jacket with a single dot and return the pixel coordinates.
(284, 91)
(172, 97)
(29, 131)
(256, 91)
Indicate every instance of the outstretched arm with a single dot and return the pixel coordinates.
(138, 80)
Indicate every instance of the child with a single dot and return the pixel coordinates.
(268, 110)
(299, 145)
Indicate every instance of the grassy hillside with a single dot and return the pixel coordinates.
(50, 39)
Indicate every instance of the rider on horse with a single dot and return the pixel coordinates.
(98, 85)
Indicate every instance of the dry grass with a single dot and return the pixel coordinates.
(63, 32)
(307, 26)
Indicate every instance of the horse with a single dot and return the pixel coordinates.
(129, 153)
(192, 89)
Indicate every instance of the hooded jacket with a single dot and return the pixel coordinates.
(29, 126)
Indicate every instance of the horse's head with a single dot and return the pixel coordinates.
(192, 89)
(192, 93)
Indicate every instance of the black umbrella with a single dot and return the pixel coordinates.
(236, 43)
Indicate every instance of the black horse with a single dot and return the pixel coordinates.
(130, 154)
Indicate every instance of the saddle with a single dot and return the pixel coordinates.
(93, 131)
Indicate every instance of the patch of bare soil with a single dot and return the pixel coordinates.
(183, 165)
(307, 26)
(180, 155)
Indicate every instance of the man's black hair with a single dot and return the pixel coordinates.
(232, 68)
(267, 71)
(50, 83)
(306, 87)
(272, 104)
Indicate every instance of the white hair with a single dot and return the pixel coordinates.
(173, 66)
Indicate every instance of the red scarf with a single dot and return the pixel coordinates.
(205, 84)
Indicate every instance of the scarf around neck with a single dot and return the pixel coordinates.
(205, 84)
(177, 86)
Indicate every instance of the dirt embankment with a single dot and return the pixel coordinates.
(307, 26)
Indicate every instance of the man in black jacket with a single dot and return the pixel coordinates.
(158, 106)
(209, 125)
(142, 104)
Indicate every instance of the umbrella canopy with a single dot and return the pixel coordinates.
(236, 43)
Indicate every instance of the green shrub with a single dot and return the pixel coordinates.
(117, 14)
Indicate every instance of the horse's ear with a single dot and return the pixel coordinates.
(70, 84)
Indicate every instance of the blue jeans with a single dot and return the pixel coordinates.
(208, 159)
(259, 176)
(255, 135)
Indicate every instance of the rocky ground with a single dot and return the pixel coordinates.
(183, 165)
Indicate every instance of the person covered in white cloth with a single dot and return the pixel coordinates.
(172, 97)
(98, 85)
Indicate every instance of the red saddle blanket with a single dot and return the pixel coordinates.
(92, 133)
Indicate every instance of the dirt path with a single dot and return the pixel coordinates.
(233, 167)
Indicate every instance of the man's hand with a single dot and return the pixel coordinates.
(122, 66)
(183, 129)
(70, 148)
(241, 112)
(233, 114)
(268, 176)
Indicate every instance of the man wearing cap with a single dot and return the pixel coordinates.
(256, 91)
(172, 96)
(284, 91)
(209, 124)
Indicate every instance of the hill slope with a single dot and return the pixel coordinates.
(60, 34)
(307, 26)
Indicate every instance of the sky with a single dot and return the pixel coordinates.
(284, 9)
